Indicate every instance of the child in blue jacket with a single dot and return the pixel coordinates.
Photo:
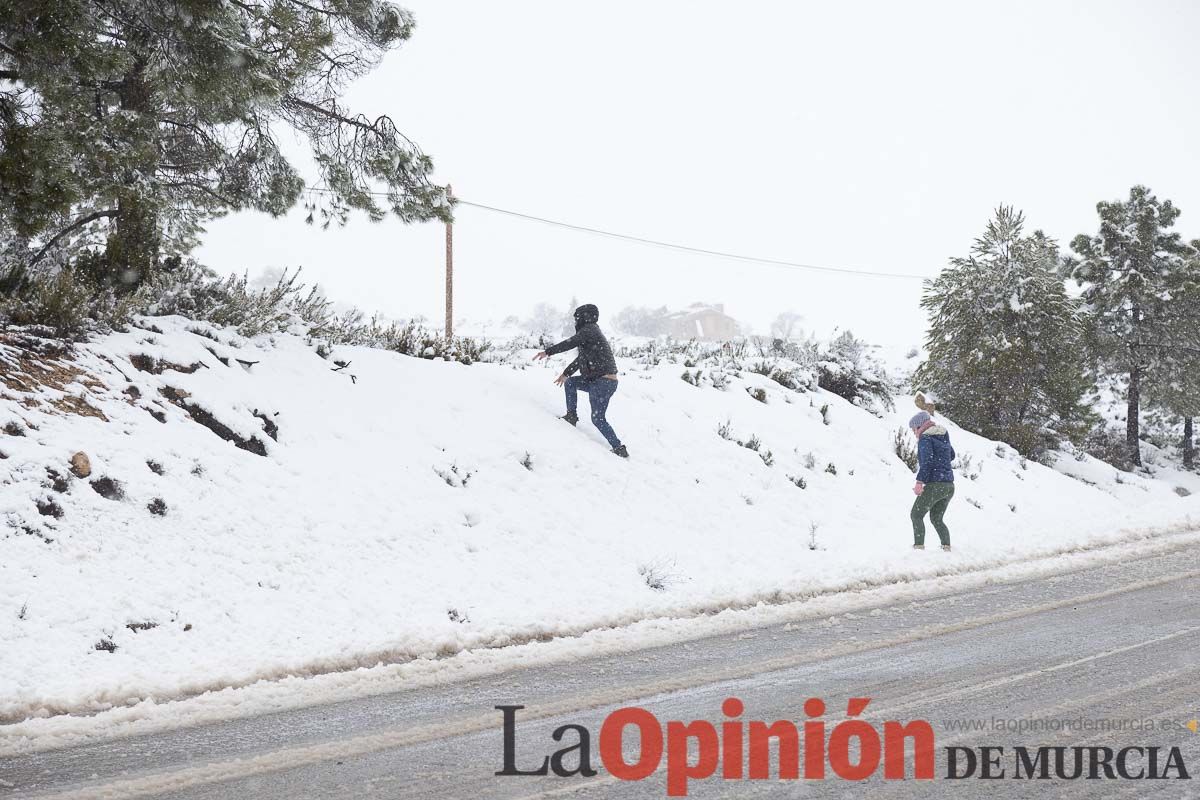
(935, 479)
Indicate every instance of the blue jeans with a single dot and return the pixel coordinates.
(599, 392)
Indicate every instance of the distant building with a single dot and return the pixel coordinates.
(703, 321)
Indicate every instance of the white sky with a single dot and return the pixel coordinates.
(877, 135)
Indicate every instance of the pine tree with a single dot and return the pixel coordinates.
(1005, 341)
(1127, 271)
(1176, 391)
(128, 123)
(1174, 386)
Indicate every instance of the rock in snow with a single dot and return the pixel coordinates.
(81, 465)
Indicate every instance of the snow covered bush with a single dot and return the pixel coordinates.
(1108, 445)
(63, 298)
(73, 298)
(455, 476)
(69, 301)
(787, 373)
(847, 368)
(657, 575)
(410, 339)
(905, 450)
(194, 291)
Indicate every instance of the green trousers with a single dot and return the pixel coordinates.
(932, 501)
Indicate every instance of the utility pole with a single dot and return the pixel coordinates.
(449, 268)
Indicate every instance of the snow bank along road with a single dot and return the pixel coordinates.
(1115, 641)
(430, 507)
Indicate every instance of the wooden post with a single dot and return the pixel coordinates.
(449, 270)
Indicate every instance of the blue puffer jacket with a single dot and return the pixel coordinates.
(934, 456)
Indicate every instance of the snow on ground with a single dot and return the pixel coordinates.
(421, 507)
(275, 696)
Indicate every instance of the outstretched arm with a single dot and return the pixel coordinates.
(561, 347)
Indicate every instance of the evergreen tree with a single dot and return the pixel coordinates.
(1176, 391)
(1005, 340)
(1127, 271)
(131, 122)
(1174, 387)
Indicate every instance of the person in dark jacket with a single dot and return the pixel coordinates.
(597, 373)
(935, 479)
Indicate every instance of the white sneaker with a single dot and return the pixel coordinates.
(918, 547)
(946, 547)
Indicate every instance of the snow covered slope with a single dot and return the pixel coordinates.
(252, 512)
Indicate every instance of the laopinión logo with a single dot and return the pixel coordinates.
(737, 749)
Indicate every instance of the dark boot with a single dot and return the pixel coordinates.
(570, 417)
(621, 451)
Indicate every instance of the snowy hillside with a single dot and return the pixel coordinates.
(251, 511)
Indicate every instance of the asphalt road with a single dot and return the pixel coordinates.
(1088, 648)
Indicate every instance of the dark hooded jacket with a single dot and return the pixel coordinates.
(934, 456)
(595, 357)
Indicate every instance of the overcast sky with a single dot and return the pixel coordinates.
(871, 135)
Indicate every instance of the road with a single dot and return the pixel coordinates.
(1115, 642)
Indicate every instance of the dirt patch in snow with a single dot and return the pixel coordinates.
(108, 488)
(48, 508)
(269, 425)
(206, 418)
(29, 365)
(157, 366)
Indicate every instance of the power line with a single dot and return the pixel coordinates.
(689, 249)
(674, 246)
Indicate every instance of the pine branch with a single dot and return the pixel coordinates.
(200, 187)
(316, 10)
(333, 114)
(84, 220)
